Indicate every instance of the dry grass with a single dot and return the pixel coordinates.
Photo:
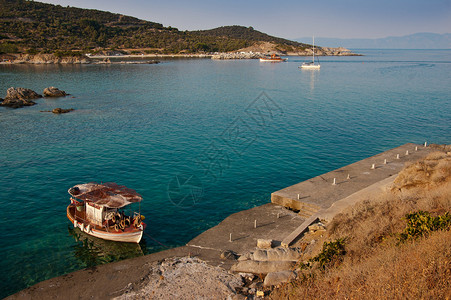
(419, 270)
(376, 266)
(431, 171)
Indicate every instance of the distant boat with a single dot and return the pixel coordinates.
(311, 64)
(272, 58)
(95, 210)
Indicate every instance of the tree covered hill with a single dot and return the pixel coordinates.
(247, 33)
(32, 27)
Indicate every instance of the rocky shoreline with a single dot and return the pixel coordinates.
(252, 54)
(48, 59)
(255, 52)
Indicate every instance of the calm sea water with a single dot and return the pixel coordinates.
(199, 139)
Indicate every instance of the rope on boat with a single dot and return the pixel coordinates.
(156, 240)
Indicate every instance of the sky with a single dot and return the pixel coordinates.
(290, 18)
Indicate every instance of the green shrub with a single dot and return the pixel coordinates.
(332, 252)
(68, 54)
(32, 51)
(8, 48)
(422, 223)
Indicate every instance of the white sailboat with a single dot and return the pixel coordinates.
(311, 64)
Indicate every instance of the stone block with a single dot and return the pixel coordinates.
(276, 278)
(264, 243)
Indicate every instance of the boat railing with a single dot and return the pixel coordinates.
(113, 219)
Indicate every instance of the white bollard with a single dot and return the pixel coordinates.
(397, 156)
(278, 215)
(335, 182)
(416, 148)
(407, 152)
(299, 197)
(230, 238)
(425, 144)
(255, 224)
(373, 166)
(349, 177)
(385, 161)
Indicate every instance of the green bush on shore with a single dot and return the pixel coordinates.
(8, 48)
(421, 223)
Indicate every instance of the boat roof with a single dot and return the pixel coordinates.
(108, 194)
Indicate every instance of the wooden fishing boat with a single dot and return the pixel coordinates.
(97, 209)
(272, 58)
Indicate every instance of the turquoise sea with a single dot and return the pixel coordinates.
(199, 139)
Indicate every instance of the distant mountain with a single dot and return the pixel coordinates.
(414, 41)
(33, 27)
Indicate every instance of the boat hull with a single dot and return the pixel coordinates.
(311, 67)
(130, 235)
(272, 60)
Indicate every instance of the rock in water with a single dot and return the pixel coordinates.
(61, 110)
(54, 92)
(21, 93)
(19, 97)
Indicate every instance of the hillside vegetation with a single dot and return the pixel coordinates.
(32, 27)
(397, 246)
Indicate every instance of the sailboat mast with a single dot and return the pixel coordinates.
(313, 59)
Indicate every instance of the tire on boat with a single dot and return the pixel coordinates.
(75, 223)
(122, 224)
(136, 221)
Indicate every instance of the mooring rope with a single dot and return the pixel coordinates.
(156, 240)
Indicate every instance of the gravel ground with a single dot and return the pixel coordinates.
(185, 278)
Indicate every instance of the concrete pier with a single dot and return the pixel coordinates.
(319, 193)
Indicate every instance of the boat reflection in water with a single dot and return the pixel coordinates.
(94, 251)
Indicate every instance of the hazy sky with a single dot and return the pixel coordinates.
(290, 18)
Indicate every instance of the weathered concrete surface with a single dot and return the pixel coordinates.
(289, 239)
(244, 235)
(320, 193)
(374, 189)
